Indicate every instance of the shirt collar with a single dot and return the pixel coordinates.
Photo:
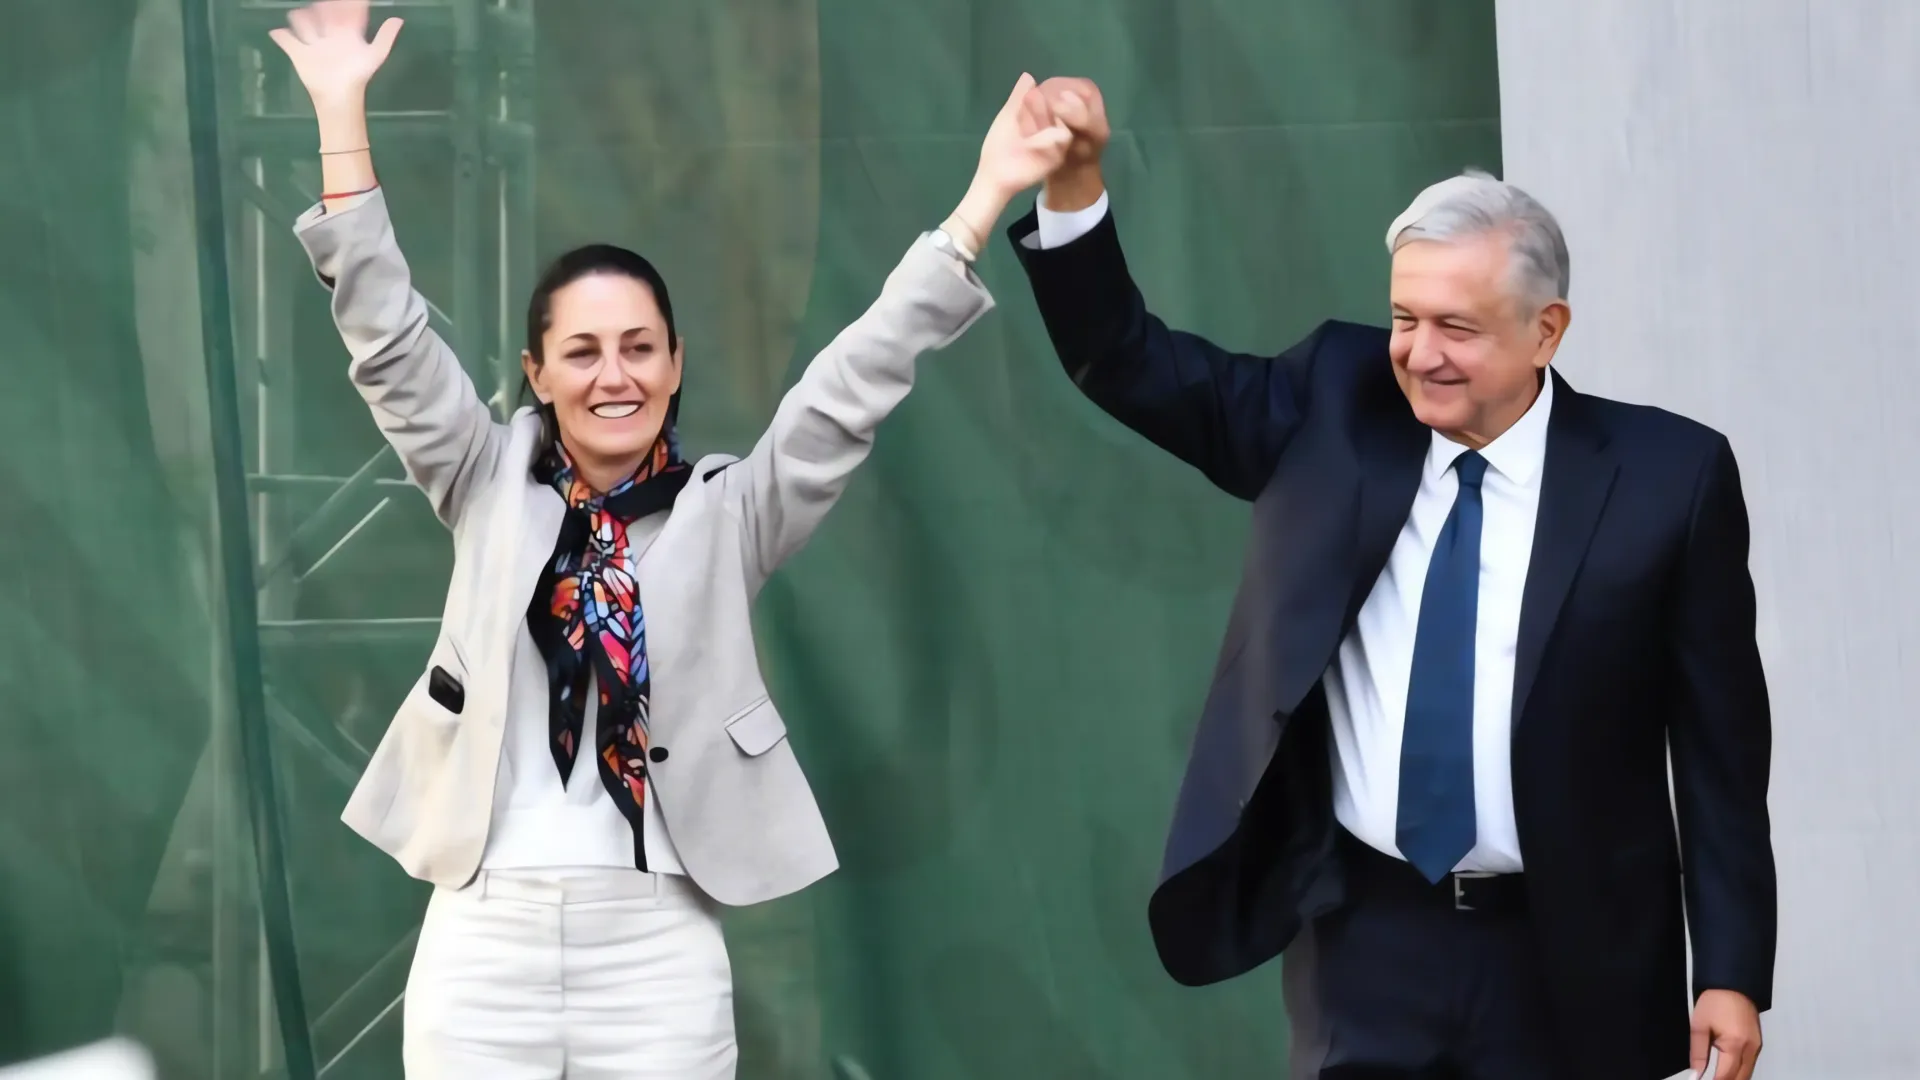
(1518, 454)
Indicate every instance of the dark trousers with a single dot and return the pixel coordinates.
(1402, 984)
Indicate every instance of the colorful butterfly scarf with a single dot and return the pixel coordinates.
(586, 619)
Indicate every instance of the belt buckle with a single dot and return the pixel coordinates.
(1460, 889)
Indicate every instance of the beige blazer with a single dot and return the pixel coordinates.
(732, 794)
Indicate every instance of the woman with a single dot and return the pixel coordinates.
(599, 608)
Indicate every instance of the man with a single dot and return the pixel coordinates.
(1478, 609)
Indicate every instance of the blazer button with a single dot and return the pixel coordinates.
(658, 753)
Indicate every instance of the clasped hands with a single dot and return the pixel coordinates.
(1049, 132)
(1076, 105)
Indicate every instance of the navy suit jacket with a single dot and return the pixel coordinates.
(1636, 637)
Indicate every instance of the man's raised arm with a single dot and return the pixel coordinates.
(1227, 414)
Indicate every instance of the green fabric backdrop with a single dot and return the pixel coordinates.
(991, 657)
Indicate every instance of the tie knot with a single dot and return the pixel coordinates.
(1472, 469)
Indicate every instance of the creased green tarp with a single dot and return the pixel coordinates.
(992, 655)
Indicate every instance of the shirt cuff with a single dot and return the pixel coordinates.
(1058, 228)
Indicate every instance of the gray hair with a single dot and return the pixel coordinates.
(1474, 204)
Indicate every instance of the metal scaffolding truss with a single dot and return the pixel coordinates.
(270, 173)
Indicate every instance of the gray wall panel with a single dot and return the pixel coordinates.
(1737, 179)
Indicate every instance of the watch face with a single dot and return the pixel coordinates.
(945, 242)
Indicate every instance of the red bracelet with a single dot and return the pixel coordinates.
(349, 194)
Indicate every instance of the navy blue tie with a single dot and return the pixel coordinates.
(1436, 824)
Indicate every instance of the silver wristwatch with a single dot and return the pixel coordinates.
(945, 243)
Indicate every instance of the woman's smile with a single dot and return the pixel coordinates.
(615, 410)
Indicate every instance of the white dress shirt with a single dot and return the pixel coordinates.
(1366, 684)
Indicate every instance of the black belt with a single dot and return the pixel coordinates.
(1376, 877)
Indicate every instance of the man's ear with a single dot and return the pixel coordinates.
(532, 371)
(1553, 322)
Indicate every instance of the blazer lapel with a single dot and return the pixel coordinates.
(544, 511)
(1392, 459)
(1574, 487)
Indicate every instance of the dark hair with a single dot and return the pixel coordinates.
(571, 267)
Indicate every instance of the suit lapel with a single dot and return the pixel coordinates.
(1392, 458)
(1574, 487)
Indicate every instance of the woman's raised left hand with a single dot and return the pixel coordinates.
(1017, 153)
(1010, 161)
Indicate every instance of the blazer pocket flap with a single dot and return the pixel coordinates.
(757, 728)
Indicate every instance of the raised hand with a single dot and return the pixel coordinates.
(1014, 156)
(1077, 105)
(1017, 154)
(327, 42)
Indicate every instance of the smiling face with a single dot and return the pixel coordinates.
(1468, 353)
(609, 364)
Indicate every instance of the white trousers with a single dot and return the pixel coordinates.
(574, 974)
